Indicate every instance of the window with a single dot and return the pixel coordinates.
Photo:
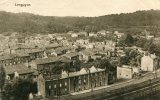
(79, 81)
(60, 85)
(55, 86)
(49, 87)
(55, 92)
(65, 83)
(8, 77)
(84, 80)
(79, 88)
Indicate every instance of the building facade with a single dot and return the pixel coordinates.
(86, 78)
(149, 63)
(124, 72)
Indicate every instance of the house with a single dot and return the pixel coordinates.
(70, 82)
(86, 54)
(13, 59)
(65, 42)
(149, 62)
(21, 39)
(49, 66)
(89, 46)
(102, 32)
(35, 53)
(72, 56)
(20, 71)
(124, 72)
(60, 51)
(82, 42)
(149, 36)
(119, 35)
(60, 38)
(50, 50)
(55, 53)
(74, 35)
(110, 43)
(70, 32)
(92, 34)
(52, 46)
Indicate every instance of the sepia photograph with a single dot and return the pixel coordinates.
(79, 49)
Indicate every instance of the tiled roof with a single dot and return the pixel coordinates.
(88, 52)
(34, 50)
(52, 46)
(4, 57)
(11, 56)
(46, 60)
(86, 71)
(83, 71)
(72, 54)
(21, 69)
(29, 50)
(52, 77)
(52, 59)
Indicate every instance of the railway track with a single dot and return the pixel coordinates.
(132, 92)
(129, 92)
(122, 91)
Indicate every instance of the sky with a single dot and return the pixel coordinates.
(78, 7)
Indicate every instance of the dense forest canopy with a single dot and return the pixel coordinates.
(130, 22)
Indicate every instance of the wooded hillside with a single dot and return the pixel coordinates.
(26, 22)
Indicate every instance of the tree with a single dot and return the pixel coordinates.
(123, 60)
(129, 40)
(8, 91)
(154, 48)
(148, 45)
(20, 89)
(2, 77)
(139, 42)
(126, 40)
(105, 64)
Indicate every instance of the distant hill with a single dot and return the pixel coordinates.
(26, 22)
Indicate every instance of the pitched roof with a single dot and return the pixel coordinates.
(46, 60)
(34, 50)
(88, 52)
(11, 56)
(52, 77)
(29, 50)
(4, 57)
(72, 54)
(21, 69)
(51, 60)
(93, 69)
(85, 71)
(52, 46)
